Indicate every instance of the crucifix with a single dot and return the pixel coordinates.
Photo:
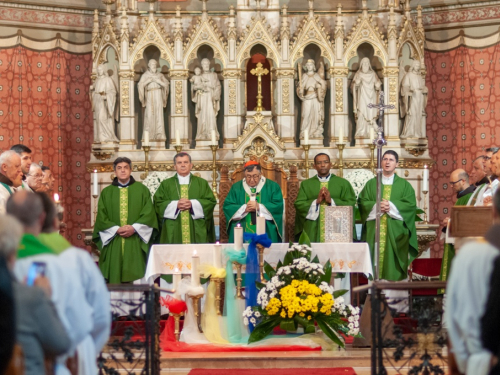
(259, 71)
(379, 143)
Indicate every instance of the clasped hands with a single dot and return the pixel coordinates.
(125, 231)
(184, 204)
(385, 207)
(324, 195)
(252, 206)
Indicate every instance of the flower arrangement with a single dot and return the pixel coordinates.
(298, 293)
(153, 181)
(358, 179)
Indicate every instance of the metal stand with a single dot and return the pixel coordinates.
(95, 206)
(260, 248)
(214, 170)
(425, 208)
(146, 159)
(178, 148)
(177, 331)
(239, 279)
(306, 155)
(341, 147)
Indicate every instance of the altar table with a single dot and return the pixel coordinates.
(344, 257)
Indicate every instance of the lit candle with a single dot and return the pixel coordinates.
(261, 225)
(425, 182)
(177, 281)
(217, 255)
(214, 141)
(371, 135)
(56, 198)
(95, 190)
(341, 135)
(195, 269)
(146, 138)
(306, 137)
(177, 138)
(238, 237)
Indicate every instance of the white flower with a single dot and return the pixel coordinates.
(351, 319)
(350, 325)
(358, 179)
(245, 321)
(315, 272)
(257, 314)
(253, 321)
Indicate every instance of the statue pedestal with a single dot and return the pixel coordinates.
(264, 117)
(313, 141)
(414, 146)
(104, 151)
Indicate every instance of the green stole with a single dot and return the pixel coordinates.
(7, 187)
(123, 211)
(322, 209)
(54, 241)
(31, 246)
(386, 194)
(186, 234)
(249, 227)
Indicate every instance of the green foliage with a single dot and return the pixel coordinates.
(339, 293)
(328, 273)
(328, 330)
(304, 239)
(263, 329)
(269, 270)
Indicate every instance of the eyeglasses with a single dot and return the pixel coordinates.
(452, 183)
(253, 177)
(486, 158)
(37, 176)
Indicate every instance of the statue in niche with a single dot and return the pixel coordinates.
(153, 92)
(103, 95)
(311, 91)
(365, 89)
(413, 102)
(205, 92)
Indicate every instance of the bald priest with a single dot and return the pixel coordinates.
(254, 196)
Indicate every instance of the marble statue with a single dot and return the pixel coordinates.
(103, 95)
(206, 92)
(153, 92)
(413, 103)
(365, 89)
(311, 91)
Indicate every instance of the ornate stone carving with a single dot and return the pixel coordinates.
(232, 96)
(258, 148)
(178, 97)
(339, 95)
(126, 74)
(179, 74)
(312, 30)
(281, 73)
(269, 129)
(231, 73)
(258, 32)
(423, 242)
(335, 72)
(103, 155)
(393, 94)
(125, 94)
(285, 90)
(151, 33)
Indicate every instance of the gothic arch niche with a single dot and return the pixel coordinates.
(151, 52)
(364, 50)
(258, 54)
(313, 52)
(109, 58)
(204, 51)
(257, 149)
(405, 59)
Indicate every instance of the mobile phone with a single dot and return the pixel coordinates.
(36, 269)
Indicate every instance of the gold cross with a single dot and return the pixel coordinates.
(259, 72)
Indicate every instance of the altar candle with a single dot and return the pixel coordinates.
(214, 141)
(177, 281)
(306, 137)
(371, 134)
(146, 138)
(238, 237)
(195, 269)
(56, 198)
(217, 255)
(95, 190)
(261, 225)
(425, 182)
(177, 138)
(341, 135)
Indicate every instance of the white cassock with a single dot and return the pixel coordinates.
(97, 296)
(484, 191)
(466, 296)
(4, 196)
(68, 297)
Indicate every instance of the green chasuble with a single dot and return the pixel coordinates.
(399, 245)
(184, 229)
(124, 260)
(342, 194)
(31, 246)
(269, 196)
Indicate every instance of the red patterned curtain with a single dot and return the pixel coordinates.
(44, 104)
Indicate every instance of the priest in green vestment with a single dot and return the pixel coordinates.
(316, 193)
(459, 181)
(125, 226)
(254, 196)
(185, 206)
(398, 235)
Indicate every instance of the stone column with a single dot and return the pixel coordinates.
(285, 106)
(233, 110)
(126, 130)
(178, 106)
(338, 104)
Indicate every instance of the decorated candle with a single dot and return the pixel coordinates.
(261, 225)
(56, 198)
(146, 138)
(95, 187)
(425, 182)
(177, 281)
(238, 237)
(217, 255)
(177, 138)
(195, 269)
(306, 137)
(341, 135)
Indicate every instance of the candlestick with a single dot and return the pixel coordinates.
(95, 190)
(214, 148)
(177, 138)
(214, 141)
(341, 146)
(146, 159)
(218, 282)
(178, 148)
(306, 137)
(260, 249)
(239, 279)
(146, 138)
(238, 237)
(177, 330)
(306, 154)
(425, 208)
(425, 181)
(197, 309)
(95, 196)
(195, 271)
(177, 280)
(217, 255)
(372, 158)
(341, 134)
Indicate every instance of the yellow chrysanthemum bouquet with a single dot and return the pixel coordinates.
(298, 293)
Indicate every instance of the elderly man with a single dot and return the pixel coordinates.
(185, 205)
(34, 178)
(254, 196)
(483, 196)
(11, 176)
(48, 179)
(316, 193)
(478, 173)
(125, 226)
(67, 292)
(25, 155)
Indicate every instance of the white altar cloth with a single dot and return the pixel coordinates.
(344, 257)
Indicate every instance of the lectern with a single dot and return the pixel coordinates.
(469, 221)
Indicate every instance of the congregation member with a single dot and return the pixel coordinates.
(459, 181)
(254, 196)
(483, 196)
(39, 331)
(7, 309)
(67, 292)
(466, 300)
(125, 226)
(34, 178)
(316, 193)
(24, 153)
(478, 173)
(185, 206)
(11, 176)
(48, 180)
(398, 236)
